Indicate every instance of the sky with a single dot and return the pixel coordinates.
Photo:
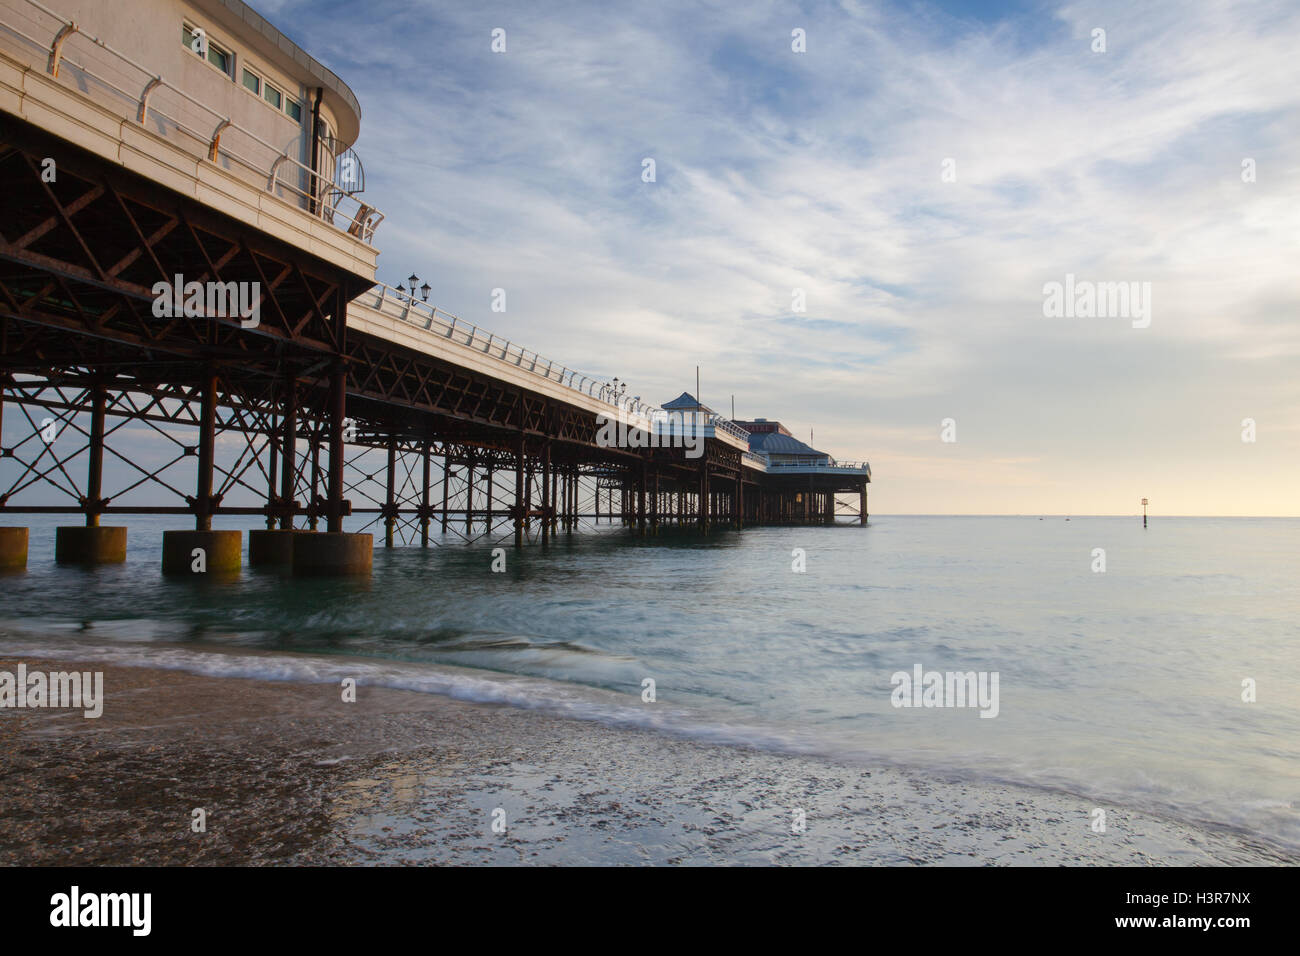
(918, 175)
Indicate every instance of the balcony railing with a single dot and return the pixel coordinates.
(820, 466)
(136, 93)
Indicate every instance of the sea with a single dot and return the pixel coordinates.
(1155, 668)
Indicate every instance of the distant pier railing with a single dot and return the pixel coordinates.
(402, 305)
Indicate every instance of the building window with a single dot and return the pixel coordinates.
(218, 55)
(252, 83)
(294, 109)
(272, 95)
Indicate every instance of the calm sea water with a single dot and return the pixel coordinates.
(1123, 686)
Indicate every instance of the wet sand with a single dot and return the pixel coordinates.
(290, 774)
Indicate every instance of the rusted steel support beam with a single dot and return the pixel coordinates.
(272, 472)
(203, 502)
(521, 504)
(93, 502)
(704, 494)
(313, 497)
(289, 443)
(446, 482)
(546, 489)
(469, 496)
(654, 511)
(390, 501)
(334, 510)
(739, 500)
(425, 454)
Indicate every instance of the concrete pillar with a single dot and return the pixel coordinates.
(13, 549)
(273, 548)
(94, 544)
(332, 553)
(195, 553)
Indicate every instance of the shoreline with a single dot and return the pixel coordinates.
(289, 774)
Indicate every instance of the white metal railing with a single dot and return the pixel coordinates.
(388, 301)
(830, 465)
(326, 204)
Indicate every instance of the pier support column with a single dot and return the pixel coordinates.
(547, 499)
(204, 503)
(862, 505)
(272, 473)
(204, 551)
(289, 445)
(654, 503)
(739, 501)
(13, 549)
(196, 553)
(268, 548)
(313, 506)
(334, 510)
(334, 552)
(425, 455)
(520, 504)
(92, 544)
(469, 499)
(704, 495)
(390, 496)
(640, 500)
(446, 484)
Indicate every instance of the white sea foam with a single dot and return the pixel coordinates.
(700, 723)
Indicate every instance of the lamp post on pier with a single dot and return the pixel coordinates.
(1144, 512)
(424, 290)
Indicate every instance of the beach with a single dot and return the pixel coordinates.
(287, 773)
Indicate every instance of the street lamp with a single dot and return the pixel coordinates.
(410, 294)
(1144, 512)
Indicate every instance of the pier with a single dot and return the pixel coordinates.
(133, 162)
